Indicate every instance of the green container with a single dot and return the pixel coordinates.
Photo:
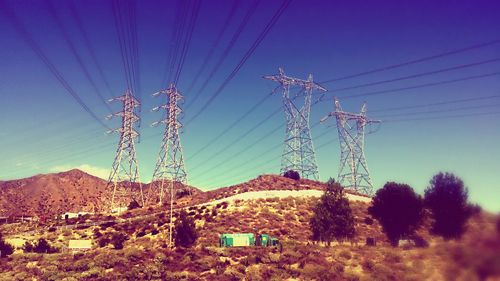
(237, 240)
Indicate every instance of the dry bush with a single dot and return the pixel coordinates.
(108, 259)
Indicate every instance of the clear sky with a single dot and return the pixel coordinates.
(43, 128)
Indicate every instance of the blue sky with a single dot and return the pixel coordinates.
(44, 129)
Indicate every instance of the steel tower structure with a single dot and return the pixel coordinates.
(353, 169)
(298, 152)
(124, 176)
(170, 169)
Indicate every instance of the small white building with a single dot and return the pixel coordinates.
(119, 210)
(69, 215)
(80, 245)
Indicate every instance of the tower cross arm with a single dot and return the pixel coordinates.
(292, 81)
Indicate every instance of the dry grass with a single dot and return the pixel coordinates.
(146, 256)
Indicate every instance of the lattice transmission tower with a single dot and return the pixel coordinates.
(124, 176)
(170, 170)
(353, 169)
(298, 152)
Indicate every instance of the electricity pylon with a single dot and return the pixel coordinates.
(353, 170)
(170, 169)
(298, 152)
(124, 176)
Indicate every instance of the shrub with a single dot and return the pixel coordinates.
(103, 242)
(398, 209)
(154, 231)
(97, 233)
(291, 174)
(28, 247)
(368, 221)
(185, 230)
(117, 240)
(370, 241)
(332, 218)
(141, 233)
(183, 193)
(419, 241)
(41, 247)
(5, 248)
(133, 205)
(447, 197)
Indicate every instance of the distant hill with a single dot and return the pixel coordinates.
(49, 194)
(74, 190)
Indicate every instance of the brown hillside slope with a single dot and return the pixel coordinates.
(50, 194)
(261, 183)
(47, 195)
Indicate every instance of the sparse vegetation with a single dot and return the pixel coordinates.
(447, 198)
(332, 218)
(148, 257)
(398, 209)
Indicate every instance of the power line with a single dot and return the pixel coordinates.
(418, 75)
(269, 161)
(88, 44)
(175, 30)
(320, 100)
(127, 41)
(436, 103)
(232, 125)
(467, 78)
(226, 51)
(442, 117)
(179, 26)
(232, 169)
(73, 50)
(21, 29)
(423, 59)
(440, 111)
(264, 136)
(247, 55)
(187, 39)
(242, 136)
(214, 46)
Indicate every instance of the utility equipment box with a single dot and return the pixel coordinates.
(237, 239)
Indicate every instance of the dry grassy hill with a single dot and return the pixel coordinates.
(47, 195)
(50, 194)
(145, 255)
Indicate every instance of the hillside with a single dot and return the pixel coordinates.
(47, 195)
(238, 208)
(50, 194)
(145, 255)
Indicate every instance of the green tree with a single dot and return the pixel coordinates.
(332, 216)
(5, 248)
(447, 198)
(185, 230)
(398, 209)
